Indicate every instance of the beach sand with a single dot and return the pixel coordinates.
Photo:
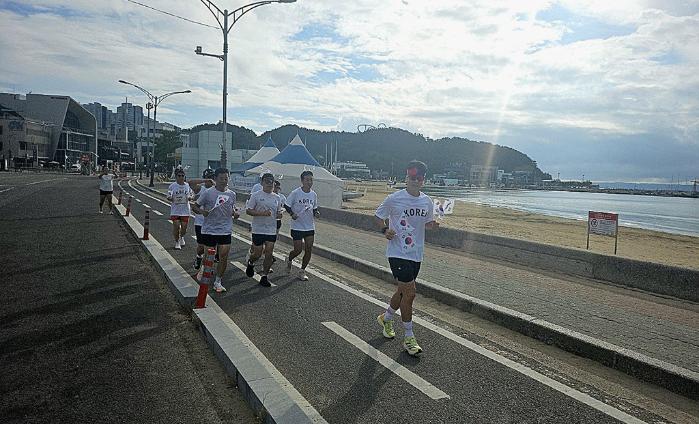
(634, 243)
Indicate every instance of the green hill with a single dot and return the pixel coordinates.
(380, 148)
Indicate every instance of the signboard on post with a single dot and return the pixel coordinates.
(603, 224)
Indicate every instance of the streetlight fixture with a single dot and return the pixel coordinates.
(153, 103)
(225, 28)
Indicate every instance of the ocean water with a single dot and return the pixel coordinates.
(674, 215)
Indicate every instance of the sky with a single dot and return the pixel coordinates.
(608, 90)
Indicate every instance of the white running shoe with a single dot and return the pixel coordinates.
(218, 286)
(288, 266)
(302, 275)
(182, 241)
(101, 211)
(177, 245)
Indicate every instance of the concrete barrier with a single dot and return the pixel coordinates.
(662, 279)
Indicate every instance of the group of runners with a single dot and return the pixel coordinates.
(402, 217)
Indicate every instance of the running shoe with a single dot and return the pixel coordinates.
(411, 346)
(219, 287)
(250, 270)
(111, 212)
(271, 271)
(302, 275)
(264, 282)
(288, 265)
(197, 262)
(101, 211)
(216, 258)
(387, 327)
(182, 241)
(177, 245)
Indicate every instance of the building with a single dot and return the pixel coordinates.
(131, 114)
(202, 150)
(351, 169)
(483, 175)
(51, 128)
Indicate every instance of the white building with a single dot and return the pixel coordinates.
(202, 150)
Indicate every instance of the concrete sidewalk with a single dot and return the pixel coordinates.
(90, 333)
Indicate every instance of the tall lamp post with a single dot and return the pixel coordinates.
(225, 28)
(154, 102)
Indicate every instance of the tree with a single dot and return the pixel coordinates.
(166, 144)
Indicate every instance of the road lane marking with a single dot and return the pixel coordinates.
(410, 377)
(138, 200)
(7, 189)
(256, 277)
(157, 213)
(528, 372)
(43, 181)
(148, 195)
(146, 206)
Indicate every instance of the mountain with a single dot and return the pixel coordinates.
(384, 148)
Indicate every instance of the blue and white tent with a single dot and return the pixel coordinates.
(288, 165)
(266, 152)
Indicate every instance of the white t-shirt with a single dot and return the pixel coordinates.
(106, 182)
(199, 218)
(407, 216)
(257, 187)
(261, 201)
(180, 195)
(302, 204)
(220, 205)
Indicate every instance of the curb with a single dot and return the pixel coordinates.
(671, 377)
(269, 395)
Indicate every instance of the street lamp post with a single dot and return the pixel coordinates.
(225, 28)
(155, 101)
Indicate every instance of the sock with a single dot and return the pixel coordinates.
(218, 280)
(200, 256)
(408, 325)
(388, 315)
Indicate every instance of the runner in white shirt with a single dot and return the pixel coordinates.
(265, 207)
(302, 205)
(403, 217)
(198, 186)
(217, 204)
(179, 193)
(106, 187)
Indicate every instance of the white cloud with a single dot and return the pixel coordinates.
(486, 69)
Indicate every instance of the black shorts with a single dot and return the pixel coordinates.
(105, 193)
(212, 240)
(197, 231)
(403, 270)
(279, 224)
(260, 239)
(300, 235)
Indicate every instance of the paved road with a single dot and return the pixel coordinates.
(89, 332)
(323, 338)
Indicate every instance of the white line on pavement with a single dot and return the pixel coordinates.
(138, 200)
(7, 189)
(43, 181)
(146, 206)
(393, 366)
(148, 195)
(256, 277)
(157, 213)
(560, 387)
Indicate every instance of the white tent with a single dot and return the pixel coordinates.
(288, 165)
(266, 152)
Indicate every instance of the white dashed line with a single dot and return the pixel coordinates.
(157, 213)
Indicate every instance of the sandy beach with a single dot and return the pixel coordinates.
(634, 243)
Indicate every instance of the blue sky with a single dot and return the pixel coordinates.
(582, 87)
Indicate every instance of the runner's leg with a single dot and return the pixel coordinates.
(298, 248)
(223, 250)
(269, 251)
(308, 249)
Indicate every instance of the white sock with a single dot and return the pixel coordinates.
(199, 256)
(218, 280)
(408, 325)
(388, 315)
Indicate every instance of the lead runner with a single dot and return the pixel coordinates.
(403, 217)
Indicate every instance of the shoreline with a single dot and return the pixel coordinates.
(634, 243)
